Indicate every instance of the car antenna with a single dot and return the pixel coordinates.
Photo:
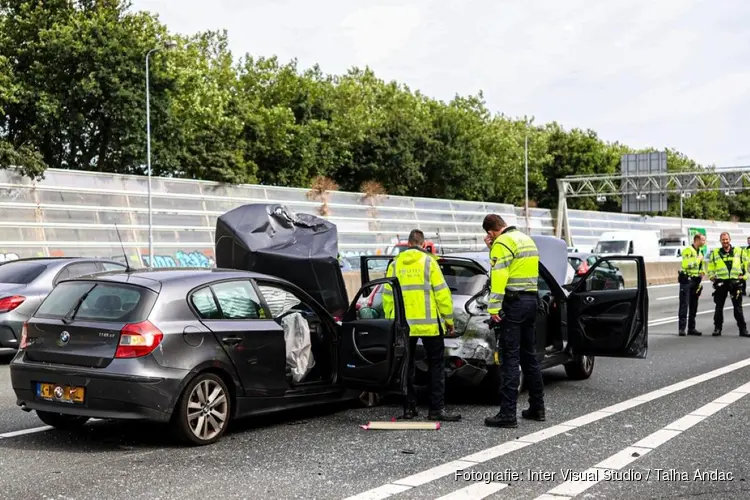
(124, 254)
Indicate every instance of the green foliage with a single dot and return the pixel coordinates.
(73, 92)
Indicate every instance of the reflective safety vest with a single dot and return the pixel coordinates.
(427, 299)
(515, 267)
(717, 264)
(746, 257)
(692, 261)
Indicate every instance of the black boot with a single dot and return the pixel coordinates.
(410, 412)
(502, 421)
(682, 333)
(695, 333)
(717, 332)
(443, 416)
(534, 414)
(743, 333)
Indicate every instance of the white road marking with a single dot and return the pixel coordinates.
(668, 298)
(674, 319)
(662, 286)
(26, 431)
(476, 491)
(623, 458)
(507, 447)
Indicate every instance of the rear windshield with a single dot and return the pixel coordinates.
(575, 262)
(21, 272)
(119, 303)
(463, 280)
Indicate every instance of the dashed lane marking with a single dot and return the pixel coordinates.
(429, 475)
(623, 458)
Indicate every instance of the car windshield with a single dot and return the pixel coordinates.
(21, 272)
(614, 246)
(98, 302)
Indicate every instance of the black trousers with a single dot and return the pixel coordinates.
(720, 297)
(435, 350)
(688, 304)
(517, 342)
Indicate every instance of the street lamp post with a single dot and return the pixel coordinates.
(526, 170)
(167, 45)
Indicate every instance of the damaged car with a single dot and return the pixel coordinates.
(271, 328)
(576, 319)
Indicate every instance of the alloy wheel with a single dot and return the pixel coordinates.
(207, 410)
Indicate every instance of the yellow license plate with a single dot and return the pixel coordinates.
(61, 393)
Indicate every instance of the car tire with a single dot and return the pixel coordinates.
(580, 368)
(194, 408)
(60, 421)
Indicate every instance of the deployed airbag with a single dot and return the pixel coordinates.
(299, 358)
(300, 248)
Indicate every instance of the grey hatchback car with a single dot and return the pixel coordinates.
(24, 283)
(198, 347)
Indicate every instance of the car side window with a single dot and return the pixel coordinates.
(204, 302)
(542, 286)
(82, 269)
(279, 300)
(238, 300)
(111, 266)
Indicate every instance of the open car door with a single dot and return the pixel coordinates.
(610, 319)
(372, 352)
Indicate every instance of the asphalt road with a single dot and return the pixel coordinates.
(627, 447)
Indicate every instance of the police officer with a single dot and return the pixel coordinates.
(726, 270)
(693, 268)
(429, 312)
(512, 304)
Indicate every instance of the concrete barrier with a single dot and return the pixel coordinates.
(657, 273)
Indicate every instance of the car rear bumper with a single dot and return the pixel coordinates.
(111, 393)
(466, 359)
(10, 333)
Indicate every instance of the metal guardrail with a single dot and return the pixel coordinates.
(75, 213)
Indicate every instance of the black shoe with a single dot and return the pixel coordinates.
(695, 333)
(410, 412)
(682, 333)
(502, 421)
(743, 333)
(443, 416)
(534, 414)
(717, 332)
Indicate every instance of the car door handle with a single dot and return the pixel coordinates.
(589, 299)
(232, 340)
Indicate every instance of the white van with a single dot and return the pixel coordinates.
(642, 243)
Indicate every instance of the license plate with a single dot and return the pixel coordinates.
(60, 393)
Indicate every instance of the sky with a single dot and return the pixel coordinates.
(664, 73)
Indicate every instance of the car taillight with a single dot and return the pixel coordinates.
(24, 337)
(583, 269)
(7, 304)
(138, 339)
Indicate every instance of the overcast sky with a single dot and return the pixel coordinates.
(672, 73)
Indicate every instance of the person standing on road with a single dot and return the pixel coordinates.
(693, 268)
(429, 312)
(726, 269)
(746, 255)
(514, 261)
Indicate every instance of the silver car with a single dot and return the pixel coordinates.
(25, 283)
(469, 354)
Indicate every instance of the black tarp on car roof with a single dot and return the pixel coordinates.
(300, 248)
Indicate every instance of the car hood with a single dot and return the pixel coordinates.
(300, 248)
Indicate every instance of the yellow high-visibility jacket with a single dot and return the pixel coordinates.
(427, 298)
(717, 264)
(515, 266)
(692, 261)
